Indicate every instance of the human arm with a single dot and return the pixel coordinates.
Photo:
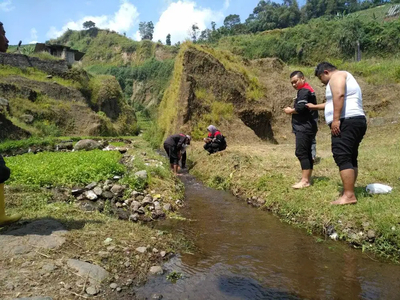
(320, 106)
(338, 86)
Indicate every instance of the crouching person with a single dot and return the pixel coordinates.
(173, 145)
(215, 141)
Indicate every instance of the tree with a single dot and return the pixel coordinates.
(146, 30)
(168, 40)
(231, 21)
(89, 24)
(194, 33)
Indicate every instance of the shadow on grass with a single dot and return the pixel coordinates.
(359, 191)
(43, 226)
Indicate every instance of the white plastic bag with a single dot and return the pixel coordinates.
(377, 188)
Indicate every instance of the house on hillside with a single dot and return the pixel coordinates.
(393, 12)
(64, 52)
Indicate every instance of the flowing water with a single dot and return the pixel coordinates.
(245, 253)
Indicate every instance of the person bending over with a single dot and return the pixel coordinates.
(173, 146)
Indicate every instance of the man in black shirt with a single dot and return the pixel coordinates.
(173, 146)
(304, 124)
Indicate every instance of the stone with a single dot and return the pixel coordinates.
(118, 289)
(104, 254)
(87, 145)
(371, 234)
(141, 211)
(334, 236)
(26, 118)
(160, 213)
(92, 290)
(260, 201)
(32, 237)
(3, 102)
(107, 194)
(91, 186)
(116, 177)
(155, 250)
(163, 253)
(49, 268)
(111, 248)
(139, 198)
(117, 189)
(147, 200)
(127, 264)
(91, 195)
(65, 145)
(85, 270)
(76, 192)
(156, 270)
(122, 214)
(156, 296)
(157, 205)
(141, 174)
(107, 241)
(98, 191)
(113, 286)
(134, 217)
(167, 207)
(141, 249)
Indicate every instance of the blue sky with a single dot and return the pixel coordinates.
(39, 20)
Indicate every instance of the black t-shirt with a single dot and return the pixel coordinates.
(305, 120)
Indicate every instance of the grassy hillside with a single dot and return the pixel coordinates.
(111, 48)
(323, 39)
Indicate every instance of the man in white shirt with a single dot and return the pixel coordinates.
(345, 115)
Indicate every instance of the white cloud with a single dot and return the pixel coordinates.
(34, 36)
(179, 17)
(137, 36)
(226, 4)
(123, 20)
(6, 5)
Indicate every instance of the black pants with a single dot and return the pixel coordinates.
(303, 152)
(345, 145)
(4, 171)
(172, 153)
(214, 147)
(183, 160)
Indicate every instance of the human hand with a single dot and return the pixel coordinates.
(288, 110)
(311, 106)
(335, 127)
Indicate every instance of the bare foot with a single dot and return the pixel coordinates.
(343, 200)
(301, 185)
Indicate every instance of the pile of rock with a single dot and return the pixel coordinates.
(127, 205)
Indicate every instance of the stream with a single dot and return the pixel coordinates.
(245, 253)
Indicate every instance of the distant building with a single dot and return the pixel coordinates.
(64, 52)
(393, 12)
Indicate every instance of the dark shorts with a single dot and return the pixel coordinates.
(303, 152)
(345, 145)
(4, 171)
(172, 153)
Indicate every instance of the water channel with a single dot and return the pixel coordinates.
(245, 253)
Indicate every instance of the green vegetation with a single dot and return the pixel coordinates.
(64, 169)
(156, 73)
(34, 74)
(268, 171)
(320, 39)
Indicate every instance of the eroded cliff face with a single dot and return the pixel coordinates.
(70, 103)
(232, 97)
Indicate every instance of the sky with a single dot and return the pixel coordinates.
(40, 20)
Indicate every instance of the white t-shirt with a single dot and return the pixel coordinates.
(352, 105)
